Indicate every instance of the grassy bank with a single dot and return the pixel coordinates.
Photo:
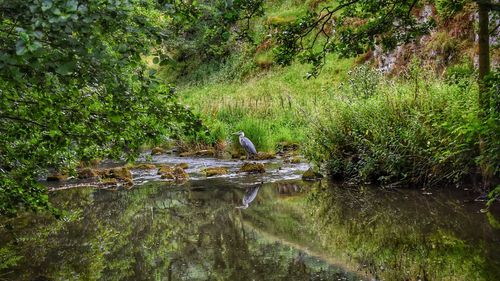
(414, 129)
(271, 108)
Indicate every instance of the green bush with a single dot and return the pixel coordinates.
(363, 81)
(448, 8)
(403, 134)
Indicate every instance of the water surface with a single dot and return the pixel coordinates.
(291, 230)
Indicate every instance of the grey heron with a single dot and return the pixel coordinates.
(250, 194)
(246, 144)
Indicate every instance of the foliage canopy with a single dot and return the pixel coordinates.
(206, 31)
(74, 87)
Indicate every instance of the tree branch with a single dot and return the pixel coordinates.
(411, 7)
(329, 14)
(14, 118)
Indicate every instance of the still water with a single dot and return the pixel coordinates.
(289, 230)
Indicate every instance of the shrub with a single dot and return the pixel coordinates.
(401, 134)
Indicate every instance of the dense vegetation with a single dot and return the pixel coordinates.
(74, 87)
(81, 81)
(420, 132)
(424, 126)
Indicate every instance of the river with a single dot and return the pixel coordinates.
(289, 230)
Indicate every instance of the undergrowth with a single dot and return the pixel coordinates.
(416, 130)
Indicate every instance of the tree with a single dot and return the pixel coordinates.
(74, 87)
(358, 25)
(204, 32)
(350, 28)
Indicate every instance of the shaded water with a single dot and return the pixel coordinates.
(290, 231)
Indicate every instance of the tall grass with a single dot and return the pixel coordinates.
(419, 130)
(270, 108)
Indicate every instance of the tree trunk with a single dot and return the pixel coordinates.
(484, 50)
(484, 69)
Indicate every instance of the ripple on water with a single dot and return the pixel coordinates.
(276, 169)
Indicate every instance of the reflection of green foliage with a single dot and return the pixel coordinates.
(286, 221)
(148, 233)
(156, 232)
(404, 242)
(492, 220)
(493, 195)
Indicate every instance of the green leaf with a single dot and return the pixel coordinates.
(56, 11)
(34, 46)
(20, 48)
(72, 5)
(24, 36)
(156, 60)
(54, 133)
(66, 68)
(46, 4)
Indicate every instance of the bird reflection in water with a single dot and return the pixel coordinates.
(250, 194)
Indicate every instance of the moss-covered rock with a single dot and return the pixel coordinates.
(119, 173)
(116, 176)
(215, 171)
(116, 173)
(143, 166)
(180, 174)
(284, 147)
(311, 175)
(163, 169)
(87, 173)
(157, 151)
(295, 160)
(128, 182)
(253, 168)
(172, 173)
(57, 177)
(203, 152)
(187, 153)
(264, 156)
(183, 165)
(109, 181)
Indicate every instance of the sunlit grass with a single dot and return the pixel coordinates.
(272, 107)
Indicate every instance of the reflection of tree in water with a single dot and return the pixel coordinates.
(148, 233)
(405, 235)
(289, 188)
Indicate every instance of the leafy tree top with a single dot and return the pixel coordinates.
(74, 87)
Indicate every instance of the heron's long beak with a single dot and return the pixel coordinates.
(236, 133)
